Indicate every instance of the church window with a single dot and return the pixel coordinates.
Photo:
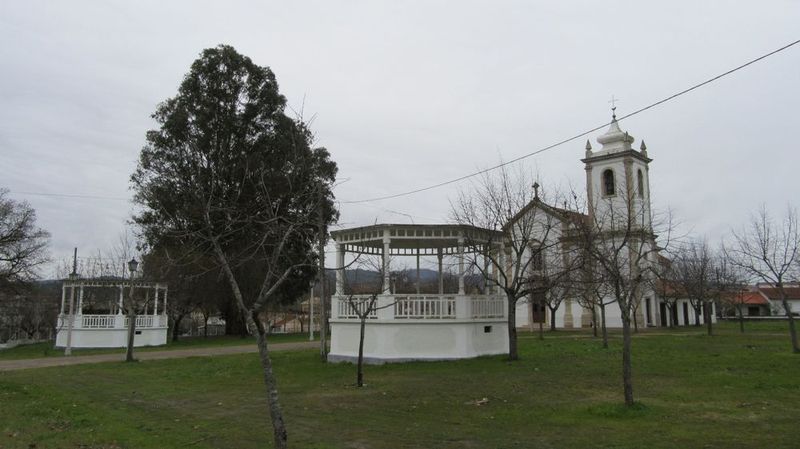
(608, 183)
(640, 183)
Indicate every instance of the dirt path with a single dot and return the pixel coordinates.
(11, 365)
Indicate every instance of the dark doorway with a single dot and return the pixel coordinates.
(648, 311)
(663, 309)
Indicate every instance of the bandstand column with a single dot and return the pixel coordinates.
(487, 284)
(440, 256)
(63, 297)
(80, 300)
(418, 289)
(461, 265)
(121, 291)
(155, 302)
(339, 269)
(386, 253)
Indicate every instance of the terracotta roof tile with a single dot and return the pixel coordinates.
(773, 293)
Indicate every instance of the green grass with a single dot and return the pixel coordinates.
(46, 349)
(726, 391)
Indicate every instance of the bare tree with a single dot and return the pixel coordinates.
(664, 285)
(23, 245)
(768, 251)
(619, 240)
(730, 286)
(694, 274)
(557, 268)
(515, 225)
(598, 295)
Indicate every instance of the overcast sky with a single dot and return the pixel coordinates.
(407, 94)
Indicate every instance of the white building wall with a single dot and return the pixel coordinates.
(112, 338)
(406, 340)
(776, 306)
(523, 313)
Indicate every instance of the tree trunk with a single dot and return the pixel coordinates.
(707, 307)
(673, 317)
(176, 324)
(594, 322)
(603, 324)
(552, 320)
(741, 318)
(275, 412)
(696, 315)
(131, 335)
(627, 374)
(360, 368)
(205, 326)
(254, 323)
(512, 329)
(635, 322)
(792, 330)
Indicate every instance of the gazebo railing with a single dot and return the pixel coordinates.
(98, 321)
(111, 321)
(142, 321)
(488, 307)
(421, 307)
(358, 306)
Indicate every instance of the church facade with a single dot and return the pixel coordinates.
(618, 215)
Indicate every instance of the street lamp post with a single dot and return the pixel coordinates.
(132, 266)
(311, 313)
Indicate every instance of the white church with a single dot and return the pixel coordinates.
(461, 324)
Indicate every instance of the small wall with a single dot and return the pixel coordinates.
(112, 338)
(400, 341)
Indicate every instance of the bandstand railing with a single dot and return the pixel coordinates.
(422, 307)
(359, 304)
(483, 307)
(111, 321)
(98, 321)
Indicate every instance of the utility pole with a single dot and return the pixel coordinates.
(72, 277)
(323, 325)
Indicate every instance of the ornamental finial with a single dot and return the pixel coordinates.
(613, 107)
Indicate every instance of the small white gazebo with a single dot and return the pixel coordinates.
(418, 326)
(109, 330)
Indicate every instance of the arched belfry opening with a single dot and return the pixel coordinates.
(609, 187)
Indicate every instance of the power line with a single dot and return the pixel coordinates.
(486, 170)
(71, 195)
(570, 139)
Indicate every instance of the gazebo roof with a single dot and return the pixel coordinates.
(414, 236)
(111, 281)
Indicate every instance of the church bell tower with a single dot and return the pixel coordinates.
(617, 181)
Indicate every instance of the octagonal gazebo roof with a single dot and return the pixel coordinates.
(410, 239)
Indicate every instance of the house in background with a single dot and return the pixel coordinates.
(752, 302)
(772, 295)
